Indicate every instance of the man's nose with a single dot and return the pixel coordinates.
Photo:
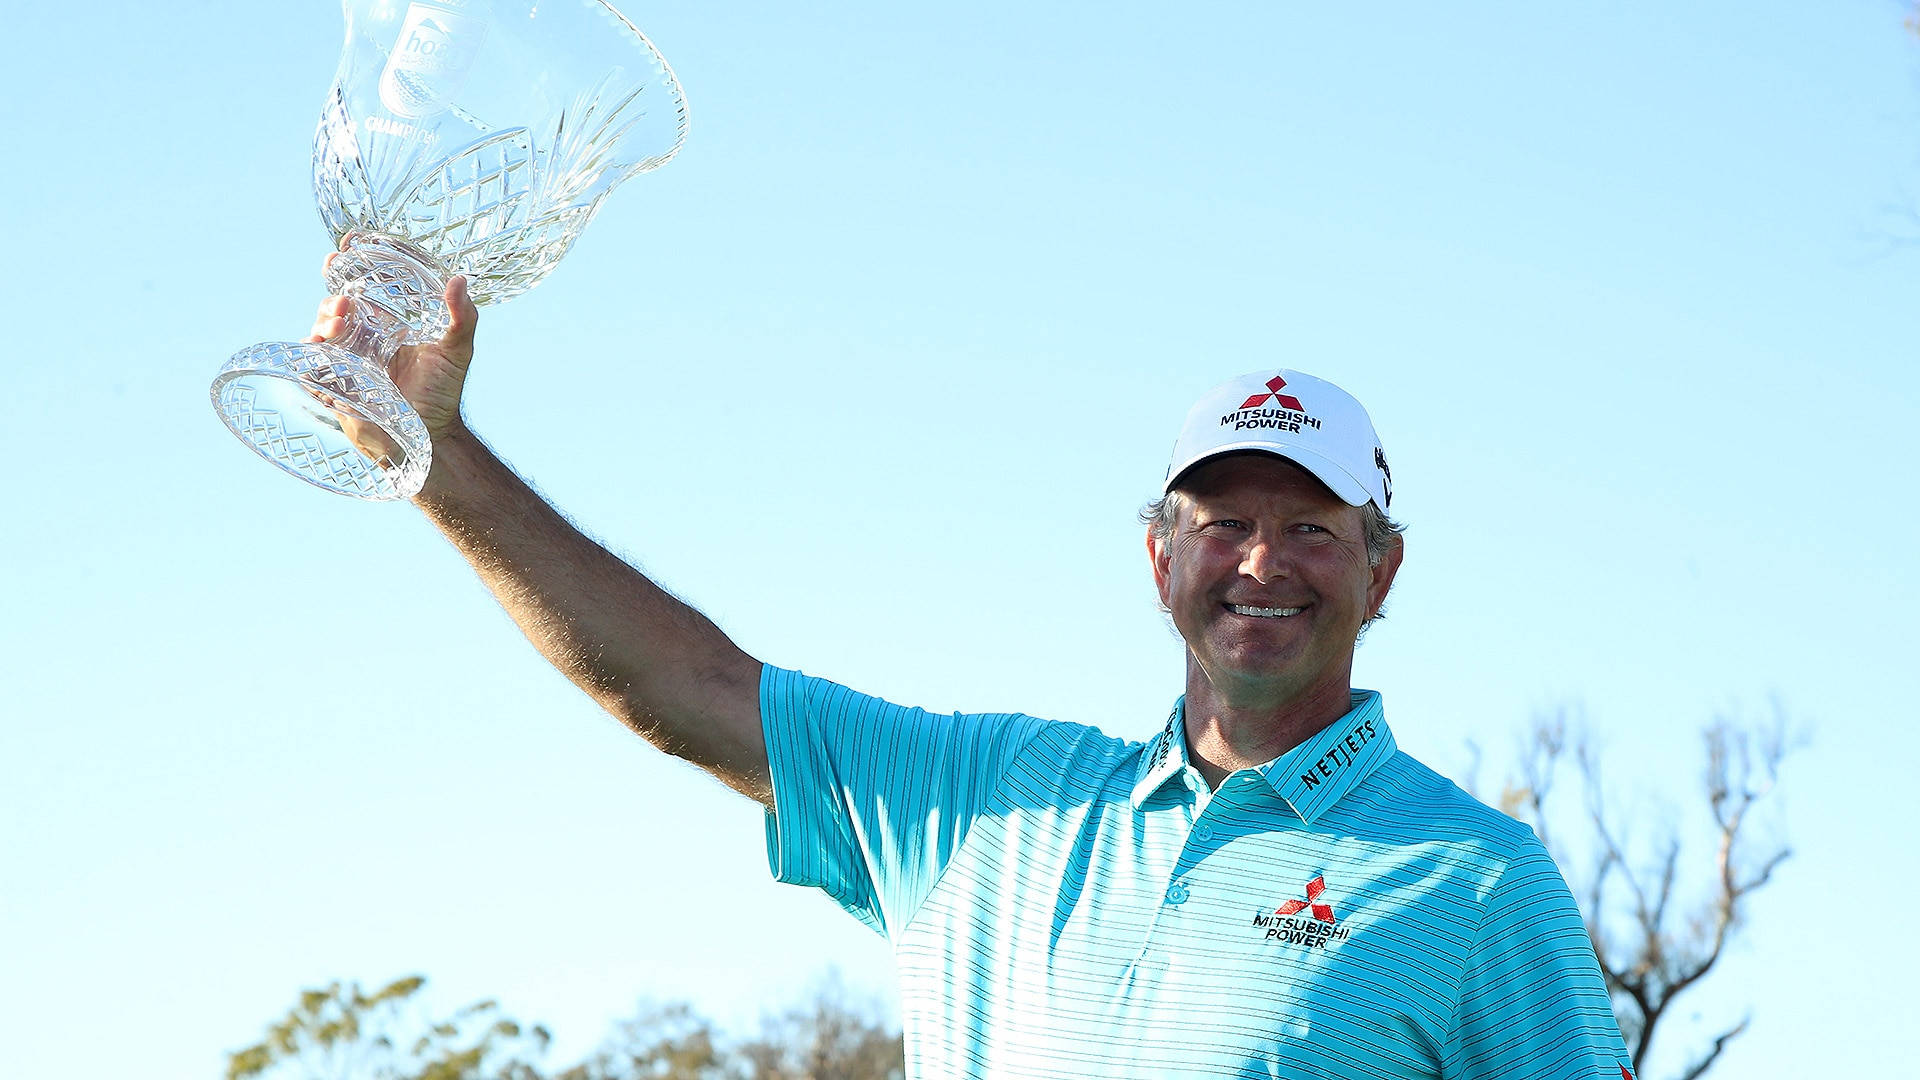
(1262, 560)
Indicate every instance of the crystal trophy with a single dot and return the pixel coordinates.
(474, 137)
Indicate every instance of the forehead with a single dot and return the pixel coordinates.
(1255, 474)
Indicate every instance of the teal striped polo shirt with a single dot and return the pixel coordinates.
(1063, 903)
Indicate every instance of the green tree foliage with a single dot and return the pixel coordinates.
(344, 1033)
(669, 1042)
(824, 1038)
(341, 1033)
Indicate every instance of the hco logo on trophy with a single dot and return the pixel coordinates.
(474, 137)
(429, 60)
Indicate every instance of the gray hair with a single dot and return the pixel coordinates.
(1162, 517)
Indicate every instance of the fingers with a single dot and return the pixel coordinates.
(326, 329)
(331, 320)
(345, 241)
(464, 315)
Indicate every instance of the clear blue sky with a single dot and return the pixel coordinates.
(877, 373)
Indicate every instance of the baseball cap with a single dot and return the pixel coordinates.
(1309, 421)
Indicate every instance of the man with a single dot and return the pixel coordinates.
(1266, 888)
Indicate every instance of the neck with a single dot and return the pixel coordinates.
(1239, 727)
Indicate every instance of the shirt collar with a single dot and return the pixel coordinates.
(1165, 756)
(1311, 777)
(1321, 771)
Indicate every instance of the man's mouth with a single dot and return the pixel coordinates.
(1265, 612)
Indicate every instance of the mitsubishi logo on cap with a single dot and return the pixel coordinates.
(1285, 401)
(1268, 410)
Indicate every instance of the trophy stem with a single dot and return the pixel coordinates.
(329, 412)
(397, 293)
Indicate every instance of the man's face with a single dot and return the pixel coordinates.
(1266, 577)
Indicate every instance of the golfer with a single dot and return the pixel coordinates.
(1268, 887)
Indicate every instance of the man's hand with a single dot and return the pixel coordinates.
(431, 377)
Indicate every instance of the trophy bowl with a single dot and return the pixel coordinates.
(474, 137)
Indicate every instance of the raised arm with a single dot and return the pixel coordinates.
(660, 667)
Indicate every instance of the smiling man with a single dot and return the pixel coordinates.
(1269, 578)
(1267, 887)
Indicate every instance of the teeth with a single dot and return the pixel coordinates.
(1265, 612)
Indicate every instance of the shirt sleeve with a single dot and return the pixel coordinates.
(1533, 1002)
(870, 799)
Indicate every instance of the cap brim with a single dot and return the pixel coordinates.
(1338, 480)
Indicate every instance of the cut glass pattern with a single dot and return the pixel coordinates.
(457, 138)
(295, 403)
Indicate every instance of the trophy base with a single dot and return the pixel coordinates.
(327, 415)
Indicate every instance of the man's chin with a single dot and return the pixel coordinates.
(1271, 678)
(1263, 661)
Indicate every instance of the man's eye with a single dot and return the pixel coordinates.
(1226, 523)
(1309, 527)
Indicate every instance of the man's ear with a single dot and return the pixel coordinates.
(1160, 555)
(1383, 574)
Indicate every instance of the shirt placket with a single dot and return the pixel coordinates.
(1200, 808)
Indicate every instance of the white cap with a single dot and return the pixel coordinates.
(1310, 422)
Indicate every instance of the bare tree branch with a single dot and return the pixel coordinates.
(1700, 1067)
(1650, 950)
(1471, 778)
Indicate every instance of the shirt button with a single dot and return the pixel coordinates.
(1177, 894)
(1203, 832)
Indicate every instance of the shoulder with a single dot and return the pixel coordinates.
(1066, 764)
(1405, 803)
(1406, 784)
(843, 714)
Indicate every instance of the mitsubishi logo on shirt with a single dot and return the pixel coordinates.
(1321, 912)
(1284, 926)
